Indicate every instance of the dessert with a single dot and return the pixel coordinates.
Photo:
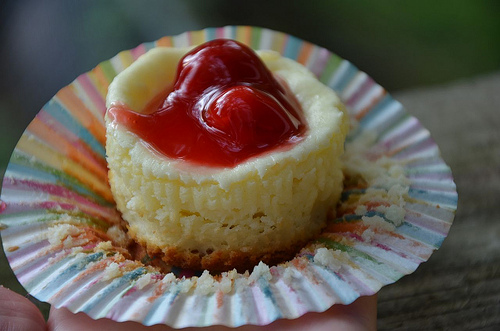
(219, 158)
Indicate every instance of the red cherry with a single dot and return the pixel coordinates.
(225, 107)
(246, 117)
(219, 63)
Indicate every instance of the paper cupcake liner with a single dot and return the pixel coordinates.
(58, 175)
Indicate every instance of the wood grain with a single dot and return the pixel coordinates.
(459, 287)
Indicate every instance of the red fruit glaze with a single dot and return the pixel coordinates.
(225, 107)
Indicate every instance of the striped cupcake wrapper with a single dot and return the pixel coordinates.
(58, 174)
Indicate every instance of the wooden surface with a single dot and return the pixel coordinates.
(459, 287)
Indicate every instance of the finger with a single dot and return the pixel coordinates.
(18, 313)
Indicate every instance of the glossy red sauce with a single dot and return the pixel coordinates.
(225, 106)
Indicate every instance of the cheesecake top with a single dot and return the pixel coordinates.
(223, 107)
(145, 85)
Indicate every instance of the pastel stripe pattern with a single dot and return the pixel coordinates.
(58, 168)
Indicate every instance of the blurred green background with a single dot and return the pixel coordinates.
(401, 44)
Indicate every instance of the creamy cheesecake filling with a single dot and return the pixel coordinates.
(196, 215)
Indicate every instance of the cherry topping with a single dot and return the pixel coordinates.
(245, 116)
(225, 107)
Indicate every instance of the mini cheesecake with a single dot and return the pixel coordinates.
(218, 160)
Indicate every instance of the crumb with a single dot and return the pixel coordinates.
(103, 246)
(112, 271)
(225, 285)
(260, 270)
(384, 186)
(119, 236)
(185, 285)
(143, 281)
(328, 258)
(368, 235)
(169, 278)
(395, 214)
(205, 283)
(68, 235)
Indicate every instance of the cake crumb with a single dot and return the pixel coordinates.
(168, 278)
(225, 285)
(328, 258)
(185, 285)
(260, 270)
(368, 235)
(103, 246)
(395, 214)
(381, 184)
(67, 235)
(119, 236)
(143, 281)
(205, 283)
(112, 271)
